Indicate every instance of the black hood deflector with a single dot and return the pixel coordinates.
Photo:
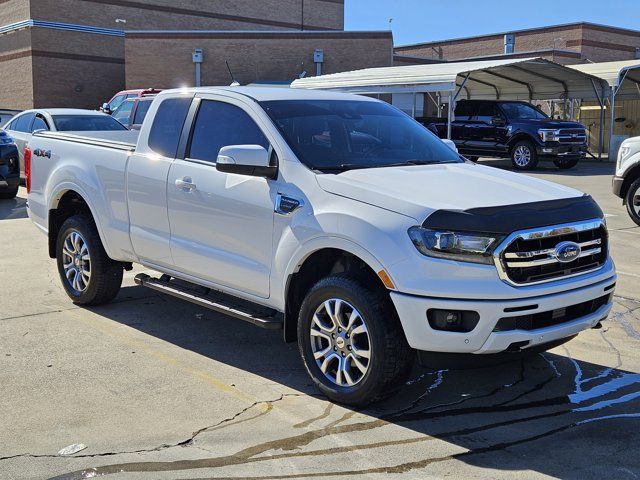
(511, 218)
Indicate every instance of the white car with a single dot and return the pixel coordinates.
(626, 182)
(336, 218)
(22, 126)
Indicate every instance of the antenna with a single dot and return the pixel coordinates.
(234, 82)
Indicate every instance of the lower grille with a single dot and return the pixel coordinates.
(552, 317)
(557, 252)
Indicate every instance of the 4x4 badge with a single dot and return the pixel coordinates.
(38, 152)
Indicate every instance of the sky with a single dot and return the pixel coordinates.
(426, 20)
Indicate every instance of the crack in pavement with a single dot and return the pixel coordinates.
(184, 443)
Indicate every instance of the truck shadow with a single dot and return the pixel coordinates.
(548, 413)
(13, 209)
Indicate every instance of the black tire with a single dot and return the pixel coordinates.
(528, 149)
(472, 158)
(633, 193)
(105, 274)
(391, 357)
(8, 194)
(566, 163)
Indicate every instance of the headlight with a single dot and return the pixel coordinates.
(547, 135)
(461, 246)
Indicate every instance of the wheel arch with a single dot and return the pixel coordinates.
(630, 176)
(317, 264)
(519, 137)
(66, 202)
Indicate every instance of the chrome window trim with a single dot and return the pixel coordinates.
(545, 232)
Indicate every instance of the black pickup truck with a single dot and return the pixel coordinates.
(516, 130)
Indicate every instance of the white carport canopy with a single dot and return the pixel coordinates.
(623, 83)
(517, 79)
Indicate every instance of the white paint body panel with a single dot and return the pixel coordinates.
(224, 234)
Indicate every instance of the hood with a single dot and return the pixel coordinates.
(547, 123)
(417, 191)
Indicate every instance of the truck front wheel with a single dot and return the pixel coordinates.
(351, 341)
(633, 201)
(88, 275)
(524, 156)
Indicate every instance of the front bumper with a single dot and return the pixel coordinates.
(617, 186)
(412, 311)
(557, 150)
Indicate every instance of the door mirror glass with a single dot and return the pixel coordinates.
(498, 122)
(253, 160)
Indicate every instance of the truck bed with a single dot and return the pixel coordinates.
(124, 140)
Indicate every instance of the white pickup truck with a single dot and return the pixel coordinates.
(334, 217)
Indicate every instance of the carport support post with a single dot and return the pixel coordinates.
(612, 105)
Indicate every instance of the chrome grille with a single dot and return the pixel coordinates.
(531, 257)
(572, 135)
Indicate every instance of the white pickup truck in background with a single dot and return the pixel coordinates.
(334, 217)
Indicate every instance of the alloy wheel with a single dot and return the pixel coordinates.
(340, 342)
(522, 156)
(76, 261)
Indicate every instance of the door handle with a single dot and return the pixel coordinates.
(185, 184)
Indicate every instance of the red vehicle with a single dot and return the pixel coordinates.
(120, 97)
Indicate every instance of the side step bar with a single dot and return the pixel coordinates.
(257, 315)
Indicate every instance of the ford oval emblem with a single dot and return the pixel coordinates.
(567, 252)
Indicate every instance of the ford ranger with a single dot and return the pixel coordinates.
(336, 218)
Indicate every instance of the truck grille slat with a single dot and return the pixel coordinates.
(531, 257)
(572, 135)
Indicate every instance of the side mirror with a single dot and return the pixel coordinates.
(105, 108)
(252, 160)
(451, 144)
(498, 122)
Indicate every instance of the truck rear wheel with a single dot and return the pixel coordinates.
(524, 155)
(88, 275)
(351, 342)
(633, 201)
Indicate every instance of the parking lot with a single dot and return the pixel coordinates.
(157, 388)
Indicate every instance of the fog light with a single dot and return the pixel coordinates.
(547, 150)
(452, 320)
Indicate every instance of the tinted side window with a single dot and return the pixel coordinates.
(219, 125)
(39, 124)
(465, 110)
(487, 111)
(167, 126)
(141, 112)
(23, 123)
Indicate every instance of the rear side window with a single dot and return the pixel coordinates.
(219, 125)
(465, 110)
(141, 112)
(22, 124)
(487, 111)
(167, 126)
(39, 124)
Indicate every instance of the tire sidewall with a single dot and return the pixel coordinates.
(634, 189)
(533, 159)
(368, 387)
(75, 224)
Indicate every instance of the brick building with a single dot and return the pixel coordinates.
(567, 44)
(77, 53)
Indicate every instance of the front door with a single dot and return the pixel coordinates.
(221, 223)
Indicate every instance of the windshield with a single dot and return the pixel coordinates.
(86, 123)
(522, 111)
(347, 134)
